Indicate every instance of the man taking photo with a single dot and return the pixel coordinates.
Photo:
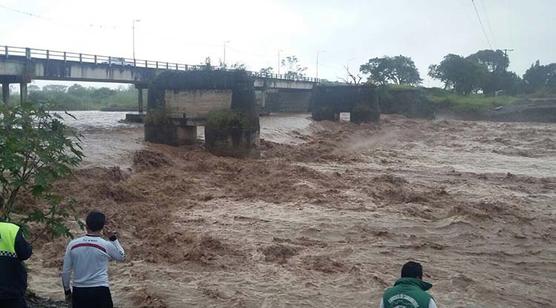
(87, 257)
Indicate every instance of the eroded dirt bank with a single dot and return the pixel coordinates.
(328, 221)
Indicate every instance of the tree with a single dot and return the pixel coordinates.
(238, 66)
(496, 63)
(460, 74)
(266, 71)
(396, 70)
(351, 78)
(33, 88)
(54, 88)
(34, 152)
(494, 60)
(294, 69)
(540, 76)
(77, 89)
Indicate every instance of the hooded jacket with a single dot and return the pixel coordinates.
(408, 293)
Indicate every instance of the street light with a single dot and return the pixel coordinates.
(224, 57)
(317, 66)
(133, 30)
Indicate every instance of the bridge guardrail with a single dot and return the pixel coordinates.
(46, 54)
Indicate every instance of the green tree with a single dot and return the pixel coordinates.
(54, 88)
(496, 63)
(396, 70)
(494, 60)
(34, 152)
(460, 74)
(266, 71)
(539, 77)
(293, 69)
(79, 90)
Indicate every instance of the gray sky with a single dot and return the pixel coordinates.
(348, 32)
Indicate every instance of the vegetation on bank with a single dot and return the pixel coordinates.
(473, 103)
(36, 149)
(78, 97)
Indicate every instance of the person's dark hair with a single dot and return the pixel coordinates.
(95, 221)
(412, 270)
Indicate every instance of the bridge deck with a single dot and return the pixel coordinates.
(18, 64)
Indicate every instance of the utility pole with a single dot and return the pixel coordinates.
(279, 62)
(506, 51)
(224, 57)
(133, 30)
(317, 66)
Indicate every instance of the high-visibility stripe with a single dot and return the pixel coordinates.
(8, 254)
(88, 245)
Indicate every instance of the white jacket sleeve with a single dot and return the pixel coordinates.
(67, 269)
(432, 304)
(115, 250)
(382, 303)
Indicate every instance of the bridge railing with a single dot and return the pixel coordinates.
(46, 54)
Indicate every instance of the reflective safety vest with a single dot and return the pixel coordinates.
(8, 232)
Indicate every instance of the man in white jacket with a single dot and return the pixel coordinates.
(87, 257)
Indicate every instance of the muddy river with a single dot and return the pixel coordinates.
(325, 218)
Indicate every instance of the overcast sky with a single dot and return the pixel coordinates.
(347, 32)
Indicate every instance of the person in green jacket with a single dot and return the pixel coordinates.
(410, 291)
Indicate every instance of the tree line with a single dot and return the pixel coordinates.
(78, 97)
(485, 71)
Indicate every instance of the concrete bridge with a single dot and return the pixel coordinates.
(22, 65)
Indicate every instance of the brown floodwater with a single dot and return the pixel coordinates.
(326, 217)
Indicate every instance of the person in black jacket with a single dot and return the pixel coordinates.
(14, 249)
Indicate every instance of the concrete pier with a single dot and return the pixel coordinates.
(221, 101)
(23, 92)
(5, 92)
(360, 101)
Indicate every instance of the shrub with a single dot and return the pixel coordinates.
(224, 119)
(36, 149)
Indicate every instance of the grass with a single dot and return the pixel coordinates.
(474, 103)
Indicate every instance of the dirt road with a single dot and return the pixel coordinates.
(328, 216)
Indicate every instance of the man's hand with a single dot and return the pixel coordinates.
(113, 236)
(67, 293)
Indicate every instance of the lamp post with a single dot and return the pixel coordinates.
(133, 30)
(317, 66)
(224, 57)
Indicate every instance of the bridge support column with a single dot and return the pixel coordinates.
(5, 92)
(140, 99)
(23, 92)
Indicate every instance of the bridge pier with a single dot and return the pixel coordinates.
(23, 92)
(140, 99)
(5, 92)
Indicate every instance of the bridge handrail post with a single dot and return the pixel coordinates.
(95, 59)
(80, 58)
(176, 66)
(47, 54)
(109, 60)
(166, 65)
(6, 51)
(134, 62)
(28, 53)
(157, 64)
(146, 64)
(65, 56)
